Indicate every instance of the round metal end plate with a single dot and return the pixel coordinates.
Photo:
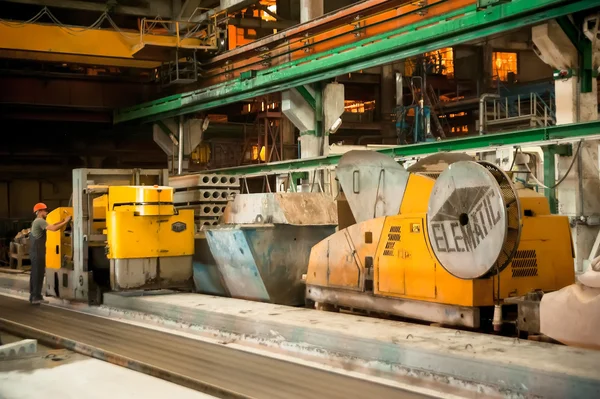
(467, 220)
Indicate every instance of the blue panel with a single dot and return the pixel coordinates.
(207, 279)
(237, 265)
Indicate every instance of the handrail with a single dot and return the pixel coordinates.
(503, 108)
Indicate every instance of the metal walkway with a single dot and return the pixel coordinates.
(210, 368)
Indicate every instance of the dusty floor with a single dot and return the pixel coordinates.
(64, 374)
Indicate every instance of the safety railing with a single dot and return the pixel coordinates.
(202, 35)
(531, 108)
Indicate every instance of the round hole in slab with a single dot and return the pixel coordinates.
(463, 218)
(215, 180)
(224, 194)
(205, 179)
(215, 195)
(206, 194)
(223, 180)
(216, 209)
(232, 180)
(206, 209)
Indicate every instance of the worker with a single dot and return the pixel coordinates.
(37, 251)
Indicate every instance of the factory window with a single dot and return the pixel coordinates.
(358, 106)
(504, 64)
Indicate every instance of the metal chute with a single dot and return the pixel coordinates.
(373, 184)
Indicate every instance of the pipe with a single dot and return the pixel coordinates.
(399, 90)
(180, 147)
(482, 99)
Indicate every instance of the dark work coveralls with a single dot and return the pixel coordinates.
(37, 255)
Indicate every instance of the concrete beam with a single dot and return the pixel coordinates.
(385, 348)
(297, 109)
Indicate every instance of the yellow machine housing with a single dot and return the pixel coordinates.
(149, 244)
(387, 265)
(59, 249)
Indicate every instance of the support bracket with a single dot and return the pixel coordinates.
(307, 96)
(584, 49)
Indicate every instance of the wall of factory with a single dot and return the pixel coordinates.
(332, 5)
(467, 62)
(17, 197)
(532, 68)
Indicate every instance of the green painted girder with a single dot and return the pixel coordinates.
(540, 135)
(448, 30)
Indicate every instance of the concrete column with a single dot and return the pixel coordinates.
(579, 194)
(310, 145)
(287, 134)
(388, 99)
(310, 9)
(488, 68)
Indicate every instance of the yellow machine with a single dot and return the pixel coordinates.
(59, 248)
(439, 247)
(149, 243)
(136, 240)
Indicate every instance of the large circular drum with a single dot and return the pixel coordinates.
(473, 219)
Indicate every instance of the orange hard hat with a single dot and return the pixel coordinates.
(40, 206)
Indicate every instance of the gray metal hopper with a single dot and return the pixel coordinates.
(263, 249)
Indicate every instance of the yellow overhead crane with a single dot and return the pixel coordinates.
(152, 44)
(441, 244)
(131, 237)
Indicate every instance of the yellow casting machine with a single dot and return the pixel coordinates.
(126, 235)
(438, 244)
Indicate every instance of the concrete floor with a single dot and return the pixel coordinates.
(67, 375)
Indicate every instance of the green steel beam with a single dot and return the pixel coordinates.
(307, 96)
(550, 153)
(451, 29)
(461, 144)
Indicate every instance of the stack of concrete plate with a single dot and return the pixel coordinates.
(207, 194)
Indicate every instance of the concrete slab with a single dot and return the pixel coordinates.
(18, 348)
(67, 375)
(486, 362)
